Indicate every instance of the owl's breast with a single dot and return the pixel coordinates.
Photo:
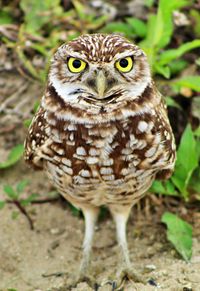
(106, 160)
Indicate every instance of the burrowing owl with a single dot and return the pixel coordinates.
(101, 133)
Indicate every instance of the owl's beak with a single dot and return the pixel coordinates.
(101, 84)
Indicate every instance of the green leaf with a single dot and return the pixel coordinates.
(139, 27)
(171, 102)
(27, 122)
(169, 55)
(165, 188)
(195, 14)
(79, 9)
(38, 13)
(14, 156)
(37, 74)
(197, 132)
(21, 186)
(192, 82)
(187, 161)
(160, 28)
(194, 182)
(10, 192)
(149, 3)
(176, 66)
(2, 204)
(119, 27)
(30, 199)
(164, 71)
(179, 233)
(5, 17)
(75, 211)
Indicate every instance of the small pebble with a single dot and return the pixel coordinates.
(150, 267)
(57, 231)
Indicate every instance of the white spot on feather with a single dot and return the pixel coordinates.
(92, 160)
(67, 170)
(85, 173)
(142, 126)
(106, 171)
(81, 151)
(66, 162)
(150, 152)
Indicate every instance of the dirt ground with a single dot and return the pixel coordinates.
(55, 243)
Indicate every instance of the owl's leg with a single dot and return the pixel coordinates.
(91, 215)
(121, 221)
(127, 271)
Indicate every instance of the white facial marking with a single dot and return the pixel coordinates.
(64, 90)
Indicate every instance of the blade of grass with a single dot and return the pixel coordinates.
(14, 156)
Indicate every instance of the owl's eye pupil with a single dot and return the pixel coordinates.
(123, 63)
(76, 64)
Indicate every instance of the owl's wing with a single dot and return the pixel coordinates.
(159, 152)
(36, 143)
(167, 141)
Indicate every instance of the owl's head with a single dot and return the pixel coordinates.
(99, 70)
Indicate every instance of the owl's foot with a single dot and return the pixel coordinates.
(86, 278)
(129, 274)
(125, 275)
(80, 278)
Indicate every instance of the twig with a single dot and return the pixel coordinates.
(13, 97)
(56, 274)
(37, 201)
(23, 211)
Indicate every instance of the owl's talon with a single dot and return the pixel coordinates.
(113, 284)
(129, 274)
(90, 280)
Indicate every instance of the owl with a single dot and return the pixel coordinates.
(101, 133)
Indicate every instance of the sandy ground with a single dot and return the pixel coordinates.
(55, 246)
(55, 243)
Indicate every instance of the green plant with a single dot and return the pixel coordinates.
(179, 233)
(188, 158)
(38, 33)
(13, 157)
(13, 196)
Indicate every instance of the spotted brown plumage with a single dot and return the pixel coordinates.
(102, 135)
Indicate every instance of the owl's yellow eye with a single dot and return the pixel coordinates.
(76, 65)
(124, 65)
